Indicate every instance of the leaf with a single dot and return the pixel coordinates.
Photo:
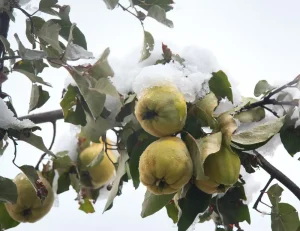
(172, 212)
(87, 206)
(191, 205)
(227, 125)
(75, 182)
(78, 36)
(97, 159)
(290, 135)
(262, 87)
(220, 85)
(62, 161)
(94, 100)
(8, 190)
(105, 86)
(28, 54)
(146, 4)
(159, 14)
(260, 133)
(120, 173)
(148, 46)
(69, 102)
(200, 149)
(33, 78)
(38, 97)
(44, 4)
(153, 203)
(8, 49)
(63, 183)
(49, 33)
(6, 222)
(101, 68)
(35, 141)
(75, 52)
(138, 147)
(274, 194)
(111, 4)
(96, 128)
(284, 218)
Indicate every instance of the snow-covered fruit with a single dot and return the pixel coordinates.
(99, 174)
(165, 166)
(29, 207)
(161, 110)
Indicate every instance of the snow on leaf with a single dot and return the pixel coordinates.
(159, 14)
(34, 78)
(75, 52)
(102, 68)
(38, 97)
(153, 203)
(8, 190)
(28, 54)
(120, 173)
(148, 46)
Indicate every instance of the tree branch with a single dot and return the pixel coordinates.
(44, 117)
(277, 174)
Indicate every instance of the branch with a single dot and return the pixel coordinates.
(262, 193)
(44, 117)
(277, 174)
(141, 18)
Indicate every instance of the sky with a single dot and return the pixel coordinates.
(252, 40)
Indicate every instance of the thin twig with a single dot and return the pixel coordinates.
(258, 200)
(15, 152)
(126, 9)
(270, 110)
(52, 142)
(10, 57)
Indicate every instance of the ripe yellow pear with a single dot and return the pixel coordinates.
(29, 207)
(165, 166)
(161, 110)
(101, 173)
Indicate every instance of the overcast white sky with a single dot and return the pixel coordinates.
(253, 40)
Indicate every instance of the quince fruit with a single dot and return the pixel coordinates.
(165, 166)
(210, 187)
(161, 110)
(98, 175)
(29, 207)
(223, 167)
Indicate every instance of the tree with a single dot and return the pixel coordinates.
(58, 41)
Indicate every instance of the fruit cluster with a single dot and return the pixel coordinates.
(166, 165)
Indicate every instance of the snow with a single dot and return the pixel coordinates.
(8, 120)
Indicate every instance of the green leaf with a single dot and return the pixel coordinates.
(63, 183)
(262, 87)
(290, 135)
(94, 100)
(111, 4)
(121, 171)
(284, 218)
(8, 190)
(138, 147)
(44, 4)
(97, 159)
(105, 86)
(253, 115)
(8, 49)
(87, 206)
(38, 97)
(153, 203)
(232, 208)
(200, 149)
(35, 141)
(28, 54)
(191, 205)
(78, 36)
(62, 161)
(260, 133)
(148, 45)
(33, 78)
(274, 194)
(146, 4)
(159, 14)
(172, 212)
(220, 85)
(75, 182)
(69, 101)
(102, 68)
(49, 33)
(3, 147)
(96, 128)
(6, 222)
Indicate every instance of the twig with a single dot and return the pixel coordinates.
(15, 152)
(17, 6)
(270, 110)
(44, 117)
(258, 200)
(126, 9)
(51, 145)
(10, 57)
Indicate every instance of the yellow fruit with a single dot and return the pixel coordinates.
(165, 166)
(210, 187)
(223, 167)
(29, 207)
(161, 110)
(99, 174)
